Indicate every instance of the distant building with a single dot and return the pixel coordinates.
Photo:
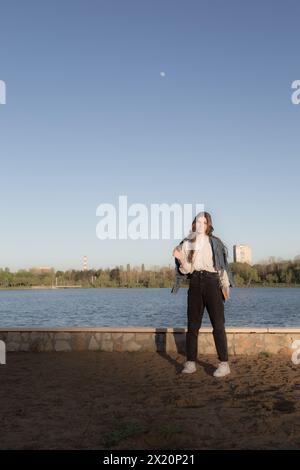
(85, 264)
(242, 254)
(41, 270)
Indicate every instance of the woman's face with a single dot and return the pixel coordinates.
(201, 225)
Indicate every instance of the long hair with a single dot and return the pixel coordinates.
(192, 235)
(209, 229)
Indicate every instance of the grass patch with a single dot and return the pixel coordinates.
(264, 354)
(170, 429)
(122, 431)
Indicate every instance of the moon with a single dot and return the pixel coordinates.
(162, 74)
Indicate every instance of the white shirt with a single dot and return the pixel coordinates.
(202, 258)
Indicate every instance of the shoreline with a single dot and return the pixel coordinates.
(137, 287)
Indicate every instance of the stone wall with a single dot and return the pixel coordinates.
(240, 340)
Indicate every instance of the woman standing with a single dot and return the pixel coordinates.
(204, 257)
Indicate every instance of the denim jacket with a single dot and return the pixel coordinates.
(220, 261)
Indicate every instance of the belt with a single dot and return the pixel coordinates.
(203, 271)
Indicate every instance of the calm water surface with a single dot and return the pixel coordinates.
(142, 307)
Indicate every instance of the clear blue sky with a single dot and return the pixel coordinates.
(89, 117)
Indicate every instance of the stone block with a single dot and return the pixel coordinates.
(62, 345)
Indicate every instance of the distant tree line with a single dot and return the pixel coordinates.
(274, 272)
(116, 277)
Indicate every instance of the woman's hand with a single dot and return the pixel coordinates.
(178, 254)
(226, 293)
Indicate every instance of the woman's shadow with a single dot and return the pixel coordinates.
(178, 339)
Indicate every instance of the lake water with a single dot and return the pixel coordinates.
(142, 307)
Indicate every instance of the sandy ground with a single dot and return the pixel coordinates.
(102, 400)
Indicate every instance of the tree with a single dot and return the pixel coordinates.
(115, 275)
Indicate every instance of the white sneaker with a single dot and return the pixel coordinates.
(222, 370)
(189, 367)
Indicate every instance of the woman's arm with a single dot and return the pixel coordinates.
(181, 255)
(229, 273)
(185, 267)
(225, 279)
(225, 284)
